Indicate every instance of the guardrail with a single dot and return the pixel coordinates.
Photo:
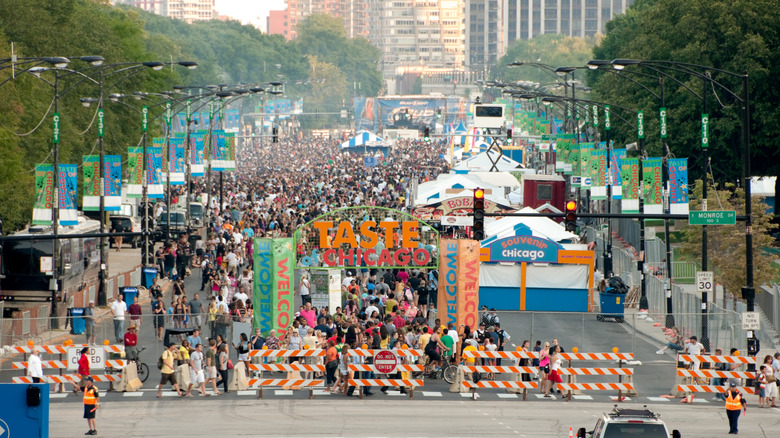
(293, 380)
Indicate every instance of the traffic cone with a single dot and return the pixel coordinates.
(571, 432)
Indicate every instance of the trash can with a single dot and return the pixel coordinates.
(149, 275)
(612, 305)
(76, 320)
(128, 293)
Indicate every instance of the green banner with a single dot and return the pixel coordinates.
(629, 174)
(652, 183)
(230, 151)
(584, 159)
(564, 154)
(282, 268)
(597, 172)
(44, 194)
(135, 165)
(575, 164)
(663, 122)
(262, 297)
(91, 173)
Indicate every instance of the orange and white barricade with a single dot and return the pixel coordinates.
(62, 365)
(68, 378)
(688, 379)
(293, 370)
(623, 388)
(385, 362)
(510, 385)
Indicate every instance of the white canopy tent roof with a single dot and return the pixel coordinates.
(482, 162)
(365, 138)
(541, 226)
(436, 191)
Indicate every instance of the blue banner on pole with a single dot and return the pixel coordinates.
(68, 185)
(678, 185)
(112, 181)
(154, 170)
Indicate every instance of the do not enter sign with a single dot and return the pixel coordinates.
(385, 362)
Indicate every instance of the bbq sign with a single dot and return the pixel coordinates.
(367, 240)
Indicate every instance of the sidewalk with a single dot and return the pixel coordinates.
(119, 262)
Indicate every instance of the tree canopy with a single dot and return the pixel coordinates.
(227, 53)
(739, 36)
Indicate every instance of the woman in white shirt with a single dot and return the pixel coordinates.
(34, 366)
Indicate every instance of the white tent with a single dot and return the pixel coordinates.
(445, 187)
(541, 226)
(364, 138)
(482, 162)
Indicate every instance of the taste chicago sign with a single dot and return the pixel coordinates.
(367, 237)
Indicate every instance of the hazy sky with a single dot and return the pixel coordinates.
(249, 11)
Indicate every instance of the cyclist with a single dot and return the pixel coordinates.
(432, 350)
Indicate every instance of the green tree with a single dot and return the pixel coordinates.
(733, 35)
(552, 49)
(726, 243)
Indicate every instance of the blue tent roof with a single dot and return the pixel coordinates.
(360, 139)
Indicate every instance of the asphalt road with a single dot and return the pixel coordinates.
(652, 378)
(373, 418)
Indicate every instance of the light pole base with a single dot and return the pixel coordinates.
(669, 320)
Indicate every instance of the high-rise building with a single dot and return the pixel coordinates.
(418, 33)
(187, 10)
(279, 24)
(353, 13)
(492, 25)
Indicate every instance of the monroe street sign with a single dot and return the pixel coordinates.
(712, 217)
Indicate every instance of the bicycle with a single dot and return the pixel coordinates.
(142, 369)
(448, 371)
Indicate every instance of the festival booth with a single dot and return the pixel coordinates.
(532, 263)
(366, 142)
(449, 199)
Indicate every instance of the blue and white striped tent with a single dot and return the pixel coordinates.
(363, 138)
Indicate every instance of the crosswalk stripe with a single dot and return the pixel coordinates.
(431, 394)
(507, 395)
(133, 394)
(283, 392)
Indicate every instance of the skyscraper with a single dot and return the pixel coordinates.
(353, 13)
(187, 10)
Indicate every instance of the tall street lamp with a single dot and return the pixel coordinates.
(60, 71)
(705, 74)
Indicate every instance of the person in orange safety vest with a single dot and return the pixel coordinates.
(734, 404)
(91, 404)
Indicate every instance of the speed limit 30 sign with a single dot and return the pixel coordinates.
(705, 281)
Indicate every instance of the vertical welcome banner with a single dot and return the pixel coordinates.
(282, 268)
(68, 185)
(678, 186)
(597, 172)
(44, 194)
(447, 299)
(629, 173)
(615, 180)
(196, 153)
(468, 283)
(218, 150)
(652, 185)
(176, 158)
(135, 167)
(564, 149)
(112, 177)
(91, 174)
(154, 160)
(262, 290)
(230, 151)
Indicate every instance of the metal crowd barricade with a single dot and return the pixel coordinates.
(498, 384)
(690, 387)
(402, 354)
(62, 364)
(620, 372)
(293, 379)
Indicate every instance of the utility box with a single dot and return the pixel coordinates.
(25, 411)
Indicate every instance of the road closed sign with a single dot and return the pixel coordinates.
(97, 358)
(385, 362)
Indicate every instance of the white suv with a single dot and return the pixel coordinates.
(625, 423)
